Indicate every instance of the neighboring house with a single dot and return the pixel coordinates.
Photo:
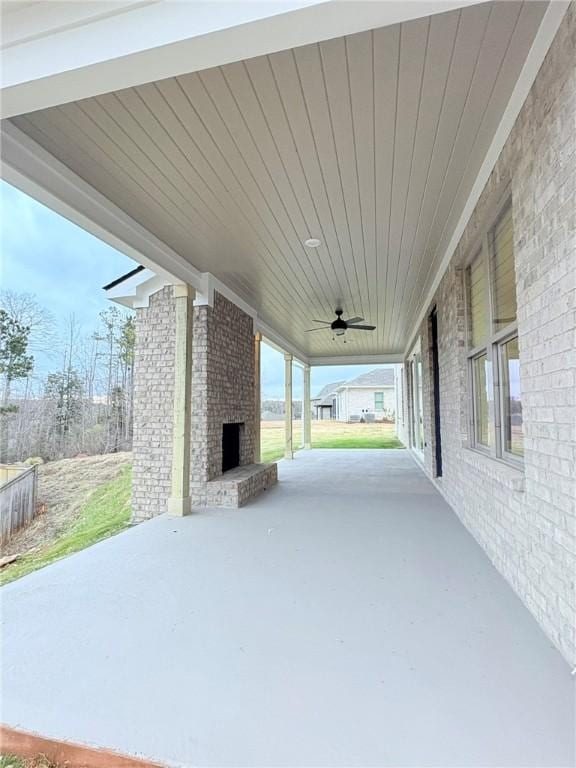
(371, 396)
(325, 403)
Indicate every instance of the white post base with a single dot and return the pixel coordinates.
(179, 507)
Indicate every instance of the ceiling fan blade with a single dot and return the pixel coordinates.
(309, 330)
(326, 322)
(354, 320)
(362, 327)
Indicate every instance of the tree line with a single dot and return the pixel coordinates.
(80, 401)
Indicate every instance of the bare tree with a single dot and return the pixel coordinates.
(116, 337)
(24, 308)
(84, 403)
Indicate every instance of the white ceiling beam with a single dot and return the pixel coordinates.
(56, 53)
(357, 359)
(542, 42)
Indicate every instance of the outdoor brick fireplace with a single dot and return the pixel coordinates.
(223, 414)
(223, 438)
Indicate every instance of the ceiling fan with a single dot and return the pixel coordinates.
(340, 326)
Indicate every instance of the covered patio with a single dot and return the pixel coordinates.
(345, 617)
(407, 168)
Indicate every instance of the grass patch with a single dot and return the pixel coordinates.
(335, 434)
(327, 434)
(271, 453)
(271, 441)
(12, 761)
(106, 512)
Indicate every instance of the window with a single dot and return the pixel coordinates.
(416, 400)
(378, 401)
(493, 355)
(482, 403)
(511, 398)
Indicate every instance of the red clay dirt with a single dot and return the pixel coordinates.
(64, 753)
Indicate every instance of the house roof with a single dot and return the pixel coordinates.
(379, 377)
(323, 397)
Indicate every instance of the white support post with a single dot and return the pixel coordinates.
(307, 409)
(179, 501)
(289, 450)
(257, 403)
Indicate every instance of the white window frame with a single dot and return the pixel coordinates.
(493, 346)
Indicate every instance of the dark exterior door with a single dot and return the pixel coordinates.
(436, 386)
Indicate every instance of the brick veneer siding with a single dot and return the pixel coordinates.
(524, 519)
(153, 403)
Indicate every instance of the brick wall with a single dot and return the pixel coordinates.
(222, 385)
(222, 392)
(525, 519)
(153, 402)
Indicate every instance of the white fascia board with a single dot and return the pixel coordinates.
(542, 42)
(395, 357)
(48, 63)
(26, 24)
(125, 292)
(135, 291)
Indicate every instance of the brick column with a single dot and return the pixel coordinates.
(257, 404)
(289, 450)
(307, 409)
(179, 501)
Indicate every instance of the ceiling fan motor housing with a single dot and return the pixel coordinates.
(339, 324)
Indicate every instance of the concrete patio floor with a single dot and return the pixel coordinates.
(346, 618)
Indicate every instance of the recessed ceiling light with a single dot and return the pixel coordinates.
(312, 242)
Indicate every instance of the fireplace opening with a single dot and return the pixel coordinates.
(230, 446)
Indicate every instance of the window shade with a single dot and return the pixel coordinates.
(503, 272)
(477, 297)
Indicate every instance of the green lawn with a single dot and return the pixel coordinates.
(327, 434)
(271, 442)
(106, 512)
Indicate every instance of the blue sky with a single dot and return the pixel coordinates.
(65, 268)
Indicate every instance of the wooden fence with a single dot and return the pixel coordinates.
(17, 498)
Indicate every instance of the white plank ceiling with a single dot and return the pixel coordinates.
(370, 143)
